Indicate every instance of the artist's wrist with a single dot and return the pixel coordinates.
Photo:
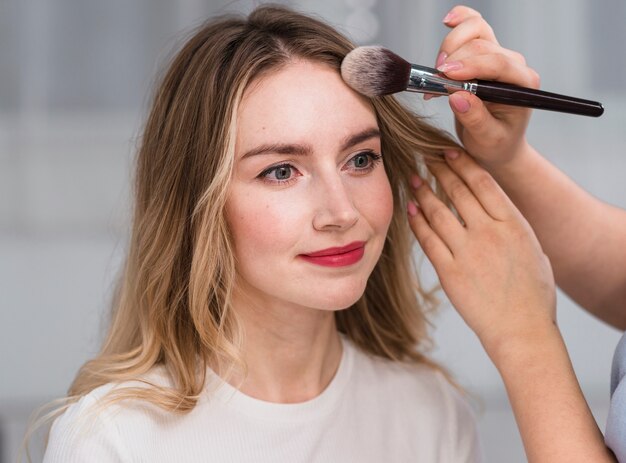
(524, 345)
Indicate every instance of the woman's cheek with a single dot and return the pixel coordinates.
(270, 219)
(376, 202)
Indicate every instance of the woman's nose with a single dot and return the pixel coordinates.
(335, 209)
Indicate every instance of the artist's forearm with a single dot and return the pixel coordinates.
(554, 419)
(584, 238)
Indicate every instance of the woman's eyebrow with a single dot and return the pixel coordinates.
(303, 150)
(279, 148)
(360, 137)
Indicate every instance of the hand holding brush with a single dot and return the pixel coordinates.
(375, 71)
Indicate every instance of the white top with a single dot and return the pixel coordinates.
(374, 410)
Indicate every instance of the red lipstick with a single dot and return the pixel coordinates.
(338, 256)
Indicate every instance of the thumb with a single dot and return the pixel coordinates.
(472, 114)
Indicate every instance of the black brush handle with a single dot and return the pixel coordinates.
(498, 92)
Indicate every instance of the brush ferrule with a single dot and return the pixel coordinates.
(427, 80)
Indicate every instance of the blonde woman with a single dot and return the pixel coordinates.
(268, 309)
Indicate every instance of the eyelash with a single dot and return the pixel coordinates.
(374, 159)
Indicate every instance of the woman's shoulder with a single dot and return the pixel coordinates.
(420, 377)
(100, 396)
(424, 396)
(424, 386)
(86, 432)
(89, 428)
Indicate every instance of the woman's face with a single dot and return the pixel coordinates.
(309, 204)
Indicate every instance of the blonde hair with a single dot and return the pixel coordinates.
(172, 306)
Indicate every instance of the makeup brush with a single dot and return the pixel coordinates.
(375, 71)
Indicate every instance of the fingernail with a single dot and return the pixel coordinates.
(411, 208)
(450, 66)
(416, 182)
(459, 103)
(451, 154)
(441, 58)
(449, 17)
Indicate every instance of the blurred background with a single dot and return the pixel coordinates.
(75, 81)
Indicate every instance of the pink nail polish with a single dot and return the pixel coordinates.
(441, 58)
(411, 209)
(451, 154)
(450, 66)
(416, 182)
(449, 17)
(459, 103)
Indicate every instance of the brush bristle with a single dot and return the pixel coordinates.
(375, 71)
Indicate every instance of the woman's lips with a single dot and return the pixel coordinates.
(338, 256)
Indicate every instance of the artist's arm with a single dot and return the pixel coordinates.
(496, 275)
(584, 237)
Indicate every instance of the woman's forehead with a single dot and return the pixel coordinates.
(302, 100)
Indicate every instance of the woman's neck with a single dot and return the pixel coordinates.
(292, 353)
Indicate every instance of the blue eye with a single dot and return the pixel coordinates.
(361, 160)
(364, 161)
(278, 174)
(282, 172)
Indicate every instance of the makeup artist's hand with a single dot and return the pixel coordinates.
(493, 133)
(490, 265)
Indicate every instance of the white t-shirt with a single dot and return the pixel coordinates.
(374, 410)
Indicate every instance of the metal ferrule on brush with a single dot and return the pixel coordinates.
(428, 80)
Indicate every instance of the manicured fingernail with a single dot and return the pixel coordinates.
(459, 103)
(450, 66)
(411, 208)
(416, 182)
(449, 17)
(451, 154)
(441, 58)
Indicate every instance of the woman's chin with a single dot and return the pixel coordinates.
(343, 301)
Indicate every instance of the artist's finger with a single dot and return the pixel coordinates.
(458, 14)
(497, 67)
(440, 218)
(462, 197)
(477, 120)
(483, 186)
(478, 47)
(433, 246)
(466, 31)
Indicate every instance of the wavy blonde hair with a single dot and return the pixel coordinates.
(172, 306)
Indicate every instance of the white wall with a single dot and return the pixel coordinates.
(75, 76)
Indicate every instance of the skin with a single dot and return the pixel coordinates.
(583, 237)
(320, 188)
(493, 267)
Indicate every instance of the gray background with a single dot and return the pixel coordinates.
(74, 85)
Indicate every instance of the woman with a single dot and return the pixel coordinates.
(268, 308)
